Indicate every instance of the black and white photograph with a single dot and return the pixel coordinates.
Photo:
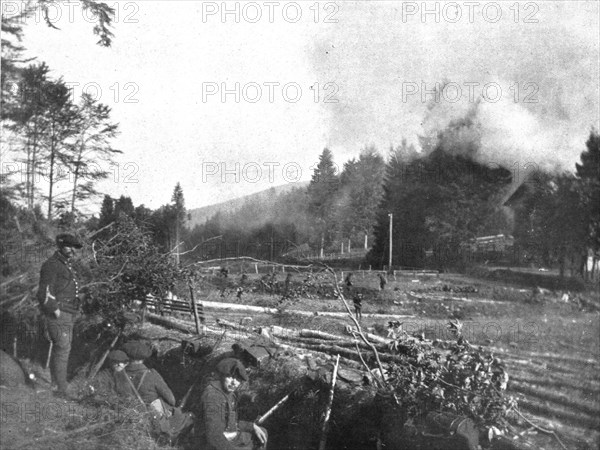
(300, 225)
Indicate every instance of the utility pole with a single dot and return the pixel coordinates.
(391, 222)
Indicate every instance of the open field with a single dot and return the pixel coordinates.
(550, 349)
(550, 346)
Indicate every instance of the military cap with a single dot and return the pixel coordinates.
(137, 350)
(231, 367)
(117, 356)
(67, 240)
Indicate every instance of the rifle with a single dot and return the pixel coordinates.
(187, 395)
(189, 391)
(266, 415)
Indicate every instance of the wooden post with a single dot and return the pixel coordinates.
(329, 403)
(194, 309)
(256, 268)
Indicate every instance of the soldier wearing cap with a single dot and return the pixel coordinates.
(112, 381)
(154, 392)
(58, 295)
(219, 428)
(149, 383)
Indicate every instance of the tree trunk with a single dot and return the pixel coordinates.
(75, 179)
(51, 177)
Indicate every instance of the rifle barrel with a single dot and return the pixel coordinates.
(266, 415)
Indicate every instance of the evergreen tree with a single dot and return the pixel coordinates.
(588, 175)
(107, 212)
(438, 202)
(322, 198)
(124, 206)
(361, 190)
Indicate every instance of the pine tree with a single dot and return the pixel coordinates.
(322, 197)
(361, 190)
(107, 212)
(588, 175)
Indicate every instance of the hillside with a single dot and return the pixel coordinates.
(200, 215)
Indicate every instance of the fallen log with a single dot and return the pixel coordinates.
(306, 333)
(556, 398)
(582, 386)
(575, 372)
(184, 325)
(369, 336)
(541, 409)
(547, 355)
(265, 310)
(238, 307)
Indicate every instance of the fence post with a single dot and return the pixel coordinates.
(194, 308)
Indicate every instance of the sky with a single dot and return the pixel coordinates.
(232, 102)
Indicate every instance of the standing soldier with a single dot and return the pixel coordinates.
(358, 298)
(348, 282)
(58, 295)
(382, 282)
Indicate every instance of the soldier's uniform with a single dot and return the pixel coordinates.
(111, 383)
(155, 393)
(59, 291)
(382, 282)
(219, 427)
(358, 298)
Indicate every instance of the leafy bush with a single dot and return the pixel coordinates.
(127, 266)
(462, 379)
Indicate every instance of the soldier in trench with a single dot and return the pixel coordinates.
(219, 428)
(111, 382)
(154, 392)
